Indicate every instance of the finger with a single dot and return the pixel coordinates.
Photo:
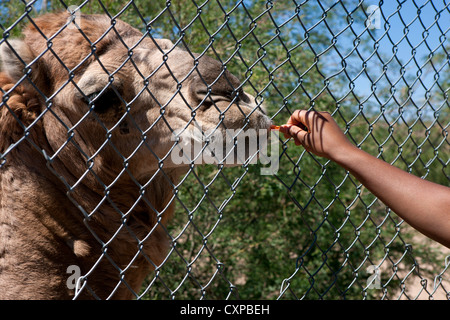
(285, 130)
(291, 131)
(298, 134)
(299, 118)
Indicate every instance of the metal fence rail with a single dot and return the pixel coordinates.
(304, 230)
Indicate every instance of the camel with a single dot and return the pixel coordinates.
(86, 123)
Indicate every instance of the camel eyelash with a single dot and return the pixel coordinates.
(103, 101)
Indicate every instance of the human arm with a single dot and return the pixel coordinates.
(422, 204)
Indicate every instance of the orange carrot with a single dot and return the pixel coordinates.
(274, 127)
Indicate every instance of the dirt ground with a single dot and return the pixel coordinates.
(426, 288)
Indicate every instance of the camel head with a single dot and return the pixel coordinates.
(112, 98)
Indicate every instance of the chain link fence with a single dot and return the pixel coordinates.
(306, 230)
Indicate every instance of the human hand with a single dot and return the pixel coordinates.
(421, 203)
(318, 133)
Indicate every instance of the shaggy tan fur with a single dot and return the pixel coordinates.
(65, 196)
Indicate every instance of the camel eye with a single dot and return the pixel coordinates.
(105, 100)
(243, 97)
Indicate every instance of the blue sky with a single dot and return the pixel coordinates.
(417, 30)
(400, 31)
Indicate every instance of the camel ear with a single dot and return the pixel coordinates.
(15, 55)
(164, 44)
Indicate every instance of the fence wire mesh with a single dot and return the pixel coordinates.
(92, 102)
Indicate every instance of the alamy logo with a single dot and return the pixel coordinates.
(73, 280)
(229, 147)
(374, 281)
(75, 17)
(374, 19)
